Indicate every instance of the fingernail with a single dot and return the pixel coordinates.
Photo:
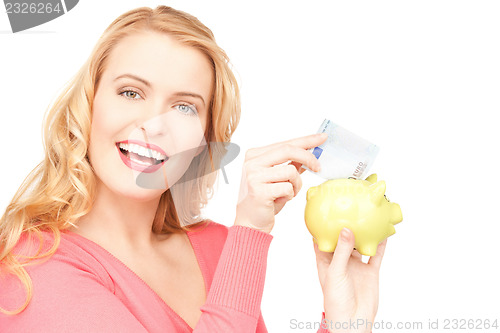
(344, 234)
(322, 135)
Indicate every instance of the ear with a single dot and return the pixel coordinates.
(377, 192)
(372, 178)
(311, 192)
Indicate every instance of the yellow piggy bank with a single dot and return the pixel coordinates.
(360, 205)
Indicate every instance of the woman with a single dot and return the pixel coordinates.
(105, 234)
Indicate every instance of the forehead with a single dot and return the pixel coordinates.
(163, 61)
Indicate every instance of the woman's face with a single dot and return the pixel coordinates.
(154, 93)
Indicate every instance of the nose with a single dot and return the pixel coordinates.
(154, 121)
(154, 126)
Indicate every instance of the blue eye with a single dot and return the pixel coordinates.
(187, 108)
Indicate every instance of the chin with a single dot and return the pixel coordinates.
(140, 194)
(147, 197)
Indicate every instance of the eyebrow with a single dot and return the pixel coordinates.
(148, 84)
(182, 93)
(135, 77)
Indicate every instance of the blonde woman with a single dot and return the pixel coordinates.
(87, 246)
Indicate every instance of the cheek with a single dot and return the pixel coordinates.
(102, 118)
(106, 123)
(107, 119)
(188, 134)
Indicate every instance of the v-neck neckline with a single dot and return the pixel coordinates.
(199, 261)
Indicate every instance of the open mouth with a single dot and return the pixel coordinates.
(141, 158)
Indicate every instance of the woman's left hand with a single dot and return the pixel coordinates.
(350, 287)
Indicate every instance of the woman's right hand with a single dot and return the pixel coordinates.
(266, 186)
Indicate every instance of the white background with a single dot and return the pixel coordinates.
(420, 79)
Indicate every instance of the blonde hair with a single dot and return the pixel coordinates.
(61, 188)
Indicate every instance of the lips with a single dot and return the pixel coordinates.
(141, 156)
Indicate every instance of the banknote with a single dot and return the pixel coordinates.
(343, 154)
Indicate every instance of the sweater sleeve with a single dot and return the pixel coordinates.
(233, 302)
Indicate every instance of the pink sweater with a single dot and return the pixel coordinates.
(84, 288)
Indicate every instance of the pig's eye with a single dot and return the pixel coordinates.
(386, 198)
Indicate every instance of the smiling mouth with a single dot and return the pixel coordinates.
(140, 154)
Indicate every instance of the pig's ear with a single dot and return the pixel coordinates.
(372, 178)
(311, 192)
(377, 192)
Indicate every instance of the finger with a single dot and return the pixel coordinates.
(286, 153)
(304, 142)
(376, 260)
(297, 166)
(343, 251)
(283, 173)
(280, 190)
(323, 260)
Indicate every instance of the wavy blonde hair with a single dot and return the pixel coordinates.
(61, 188)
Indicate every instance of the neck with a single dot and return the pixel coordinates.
(119, 221)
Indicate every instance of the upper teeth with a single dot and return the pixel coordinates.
(143, 151)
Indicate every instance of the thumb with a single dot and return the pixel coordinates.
(343, 251)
